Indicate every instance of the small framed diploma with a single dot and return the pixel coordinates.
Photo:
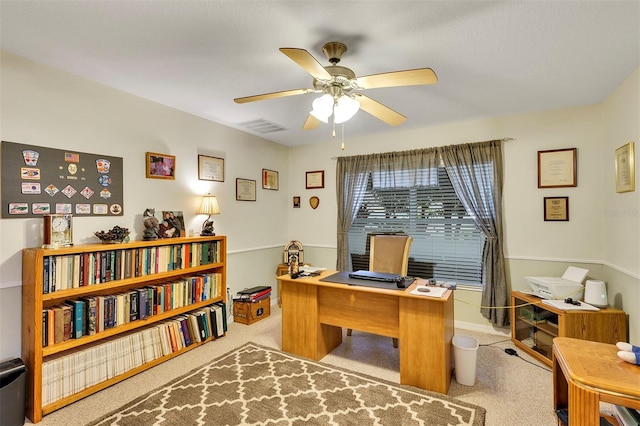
(625, 168)
(556, 209)
(210, 168)
(315, 179)
(557, 168)
(245, 189)
(270, 179)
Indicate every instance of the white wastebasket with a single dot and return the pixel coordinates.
(465, 353)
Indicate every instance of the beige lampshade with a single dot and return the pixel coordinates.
(209, 205)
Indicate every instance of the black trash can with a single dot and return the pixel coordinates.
(13, 375)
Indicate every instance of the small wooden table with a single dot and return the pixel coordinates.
(586, 373)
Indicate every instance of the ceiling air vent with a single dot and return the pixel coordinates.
(262, 126)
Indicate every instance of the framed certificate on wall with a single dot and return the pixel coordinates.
(315, 180)
(557, 168)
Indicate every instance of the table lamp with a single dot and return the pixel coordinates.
(208, 206)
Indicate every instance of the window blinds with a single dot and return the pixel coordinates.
(447, 245)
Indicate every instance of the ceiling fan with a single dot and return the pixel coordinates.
(341, 87)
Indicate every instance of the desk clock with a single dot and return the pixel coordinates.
(58, 230)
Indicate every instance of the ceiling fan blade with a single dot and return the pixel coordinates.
(272, 95)
(307, 61)
(311, 123)
(398, 78)
(380, 111)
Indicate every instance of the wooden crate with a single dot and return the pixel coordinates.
(249, 313)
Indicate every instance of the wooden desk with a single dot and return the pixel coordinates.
(314, 312)
(586, 373)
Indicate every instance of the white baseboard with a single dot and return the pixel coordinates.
(483, 328)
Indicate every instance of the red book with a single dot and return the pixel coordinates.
(257, 296)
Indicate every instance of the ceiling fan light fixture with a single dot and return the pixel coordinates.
(323, 108)
(345, 109)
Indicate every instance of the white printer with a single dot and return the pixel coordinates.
(570, 285)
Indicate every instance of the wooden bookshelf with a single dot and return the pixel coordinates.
(199, 256)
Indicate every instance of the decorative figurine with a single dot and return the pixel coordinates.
(115, 235)
(294, 268)
(151, 225)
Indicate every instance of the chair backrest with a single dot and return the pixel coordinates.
(390, 254)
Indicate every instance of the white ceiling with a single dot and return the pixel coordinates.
(492, 58)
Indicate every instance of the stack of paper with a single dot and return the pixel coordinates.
(433, 291)
(561, 304)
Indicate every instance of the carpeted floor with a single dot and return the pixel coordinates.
(258, 385)
(514, 390)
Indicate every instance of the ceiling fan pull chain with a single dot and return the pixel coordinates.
(342, 147)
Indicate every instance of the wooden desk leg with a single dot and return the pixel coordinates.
(302, 333)
(426, 331)
(584, 406)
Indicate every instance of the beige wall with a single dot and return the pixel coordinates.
(45, 107)
(596, 237)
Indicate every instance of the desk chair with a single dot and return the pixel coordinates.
(389, 254)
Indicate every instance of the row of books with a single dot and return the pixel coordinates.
(94, 314)
(67, 271)
(67, 374)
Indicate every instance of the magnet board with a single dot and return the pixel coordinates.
(38, 181)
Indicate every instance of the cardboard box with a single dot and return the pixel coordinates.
(249, 313)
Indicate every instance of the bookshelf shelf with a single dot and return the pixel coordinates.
(182, 279)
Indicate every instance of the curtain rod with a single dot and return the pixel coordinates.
(502, 140)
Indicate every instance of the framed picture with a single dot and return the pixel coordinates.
(245, 189)
(556, 209)
(210, 168)
(557, 168)
(296, 202)
(315, 179)
(172, 224)
(270, 179)
(625, 168)
(161, 166)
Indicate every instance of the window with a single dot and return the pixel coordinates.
(447, 245)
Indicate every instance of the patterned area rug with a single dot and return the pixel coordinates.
(258, 385)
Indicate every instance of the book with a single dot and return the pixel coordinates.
(77, 318)
(134, 306)
(75, 271)
(224, 315)
(255, 299)
(67, 319)
(46, 279)
(185, 329)
(254, 290)
(142, 303)
(50, 327)
(45, 327)
(217, 316)
(90, 315)
(194, 328)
